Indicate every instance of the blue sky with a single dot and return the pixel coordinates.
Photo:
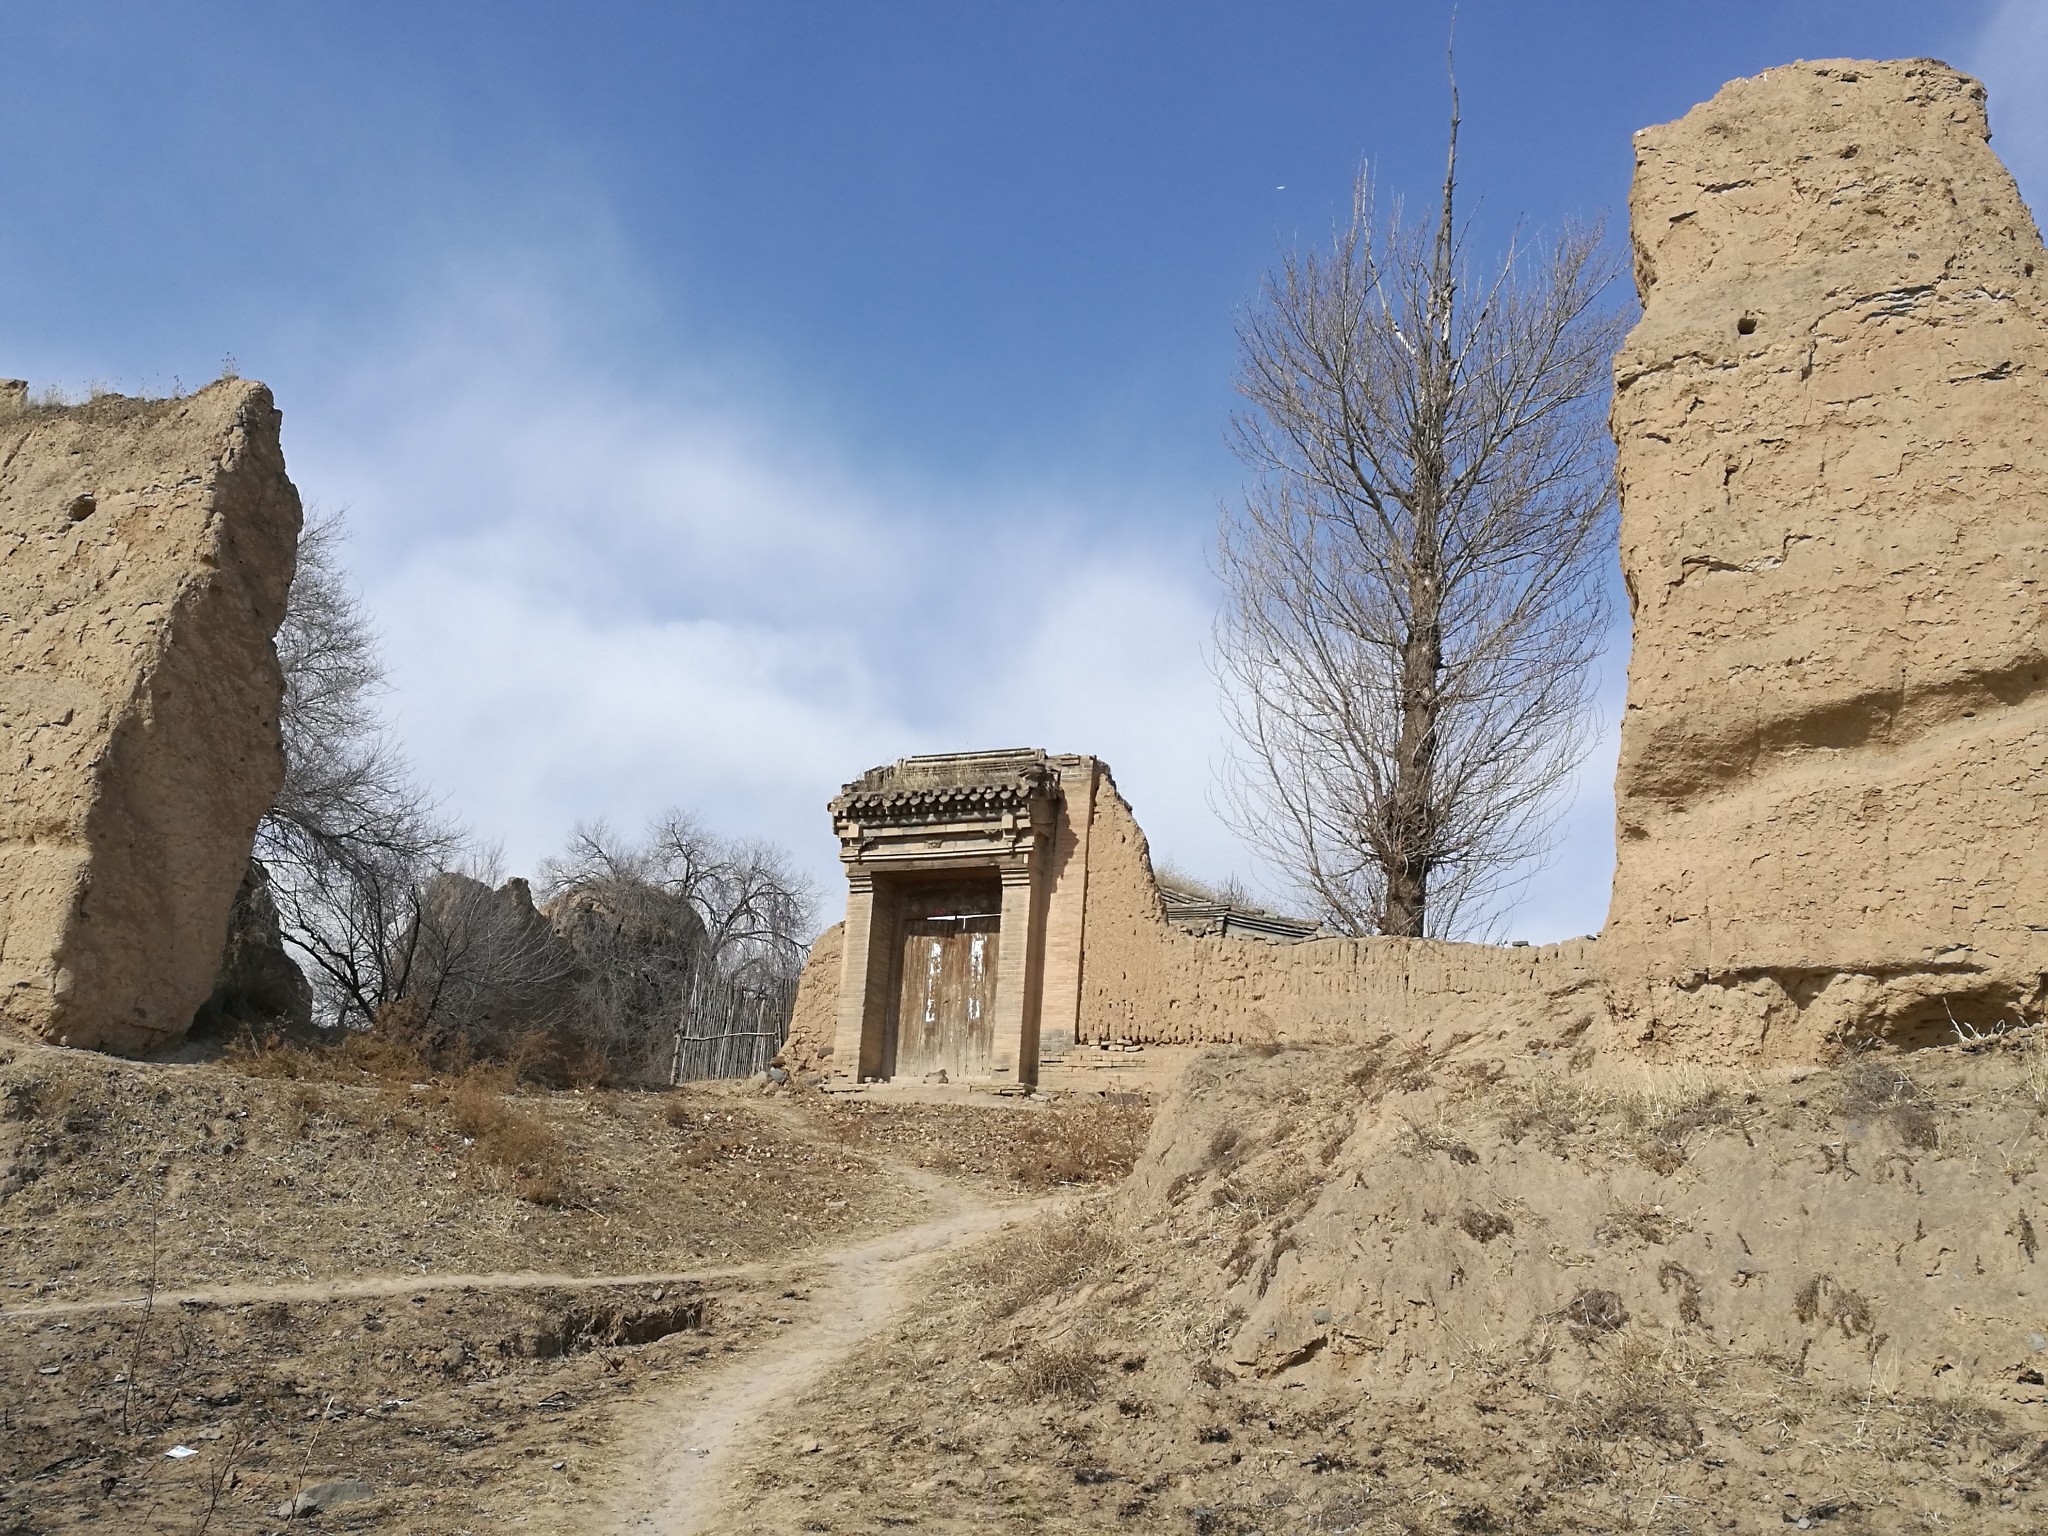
(729, 397)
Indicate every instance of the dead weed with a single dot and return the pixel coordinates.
(1089, 1142)
(1823, 1300)
(1485, 1226)
(1421, 1140)
(1645, 1223)
(1044, 1258)
(1068, 1369)
(1655, 1124)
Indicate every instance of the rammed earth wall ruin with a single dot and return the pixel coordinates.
(146, 547)
(1832, 426)
(1832, 432)
(1142, 979)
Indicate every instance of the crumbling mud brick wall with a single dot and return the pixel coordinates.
(1143, 979)
(146, 548)
(815, 1014)
(1832, 424)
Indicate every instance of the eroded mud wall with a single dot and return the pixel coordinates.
(815, 1014)
(146, 548)
(1832, 424)
(1143, 979)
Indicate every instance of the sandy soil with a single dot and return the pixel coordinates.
(305, 1283)
(1385, 1291)
(675, 1452)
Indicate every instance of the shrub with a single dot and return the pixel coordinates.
(1071, 1370)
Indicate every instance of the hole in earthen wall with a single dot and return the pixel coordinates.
(1746, 326)
(1979, 1011)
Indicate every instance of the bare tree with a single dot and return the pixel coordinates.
(640, 949)
(482, 973)
(1415, 578)
(352, 837)
(681, 933)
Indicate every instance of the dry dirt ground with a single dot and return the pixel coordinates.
(483, 1308)
(1371, 1289)
(1377, 1290)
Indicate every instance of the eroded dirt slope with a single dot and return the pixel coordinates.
(1380, 1290)
(112, 1171)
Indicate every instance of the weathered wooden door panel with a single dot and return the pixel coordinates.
(947, 983)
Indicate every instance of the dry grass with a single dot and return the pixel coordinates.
(1048, 1257)
(1069, 1369)
(1647, 1393)
(1551, 1110)
(678, 1114)
(1593, 1312)
(1089, 1143)
(397, 1050)
(1869, 1085)
(1078, 1141)
(2032, 1044)
(1646, 1223)
(1873, 1088)
(1664, 1117)
(520, 1143)
(1656, 1123)
(376, 1055)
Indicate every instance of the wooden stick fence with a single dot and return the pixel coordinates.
(732, 1029)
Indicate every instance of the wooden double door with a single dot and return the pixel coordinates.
(946, 980)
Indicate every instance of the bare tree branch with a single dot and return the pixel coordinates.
(352, 837)
(679, 929)
(1415, 596)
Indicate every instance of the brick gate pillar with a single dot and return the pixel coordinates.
(863, 979)
(1019, 963)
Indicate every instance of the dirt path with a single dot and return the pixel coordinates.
(377, 1285)
(672, 1475)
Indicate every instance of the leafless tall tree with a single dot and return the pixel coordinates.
(1415, 577)
(352, 837)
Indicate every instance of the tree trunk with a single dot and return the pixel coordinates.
(1408, 862)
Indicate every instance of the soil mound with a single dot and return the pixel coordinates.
(1386, 1288)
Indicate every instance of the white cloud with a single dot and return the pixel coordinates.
(602, 595)
(606, 590)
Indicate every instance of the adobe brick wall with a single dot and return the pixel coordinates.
(1144, 980)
